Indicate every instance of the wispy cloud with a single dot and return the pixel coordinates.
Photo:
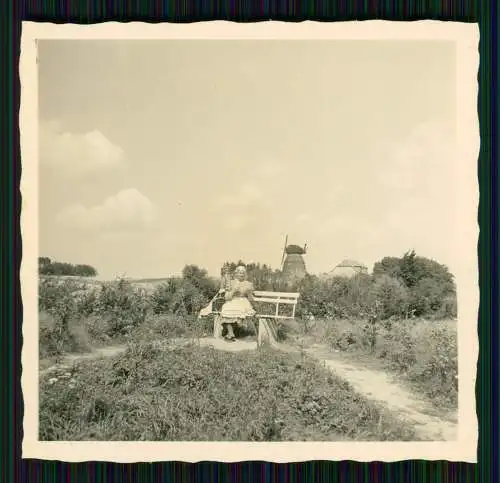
(127, 210)
(77, 154)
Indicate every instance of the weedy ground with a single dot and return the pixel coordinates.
(194, 393)
(423, 353)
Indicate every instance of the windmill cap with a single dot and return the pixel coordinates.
(294, 250)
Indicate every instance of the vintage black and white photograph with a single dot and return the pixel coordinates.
(250, 239)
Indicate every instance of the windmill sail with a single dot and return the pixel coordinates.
(283, 254)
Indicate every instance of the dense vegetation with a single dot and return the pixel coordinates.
(400, 288)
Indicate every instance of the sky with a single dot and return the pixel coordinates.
(157, 154)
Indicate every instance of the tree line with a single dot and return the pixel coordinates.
(399, 287)
(46, 266)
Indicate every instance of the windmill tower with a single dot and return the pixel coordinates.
(293, 267)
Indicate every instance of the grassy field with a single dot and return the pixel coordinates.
(194, 393)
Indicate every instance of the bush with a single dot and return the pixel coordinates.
(199, 279)
(397, 347)
(60, 326)
(55, 339)
(431, 287)
(423, 352)
(322, 298)
(179, 297)
(186, 295)
(88, 301)
(448, 309)
(392, 296)
(124, 306)
(82, 312)
(158, 327)
(436, 362)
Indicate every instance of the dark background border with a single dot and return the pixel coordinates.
(11, 411)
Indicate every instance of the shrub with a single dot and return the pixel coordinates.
(88, 301)
(199, 278)
(179, 297)
(423, 352)
(436, 362)
(447, 310)
(343, 335)
(124, 306)
(158, 327)
(431, 287)
(398, 348)
(322, 298)
(56, 339)
(392, 296)
(60, 327)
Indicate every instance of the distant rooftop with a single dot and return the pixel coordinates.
(351, 263)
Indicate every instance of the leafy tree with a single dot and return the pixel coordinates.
(411, 269)
(43, 262)
(61, 268)
(392, 295)
(427, 297)
(198, 278)
(415, 268)
(85, 271)
(390, 266)
(193, 272)
(430, 286)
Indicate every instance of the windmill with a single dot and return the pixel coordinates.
(293, 267)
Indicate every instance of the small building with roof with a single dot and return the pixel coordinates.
(348, 268)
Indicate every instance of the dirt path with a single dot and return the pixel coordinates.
(110, 351)
(381, 387)
(373, 384)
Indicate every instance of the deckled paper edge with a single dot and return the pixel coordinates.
(466, 37)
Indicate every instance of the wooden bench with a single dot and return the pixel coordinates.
(277, 298)
(267, 330)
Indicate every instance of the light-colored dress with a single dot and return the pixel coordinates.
(238, 304)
